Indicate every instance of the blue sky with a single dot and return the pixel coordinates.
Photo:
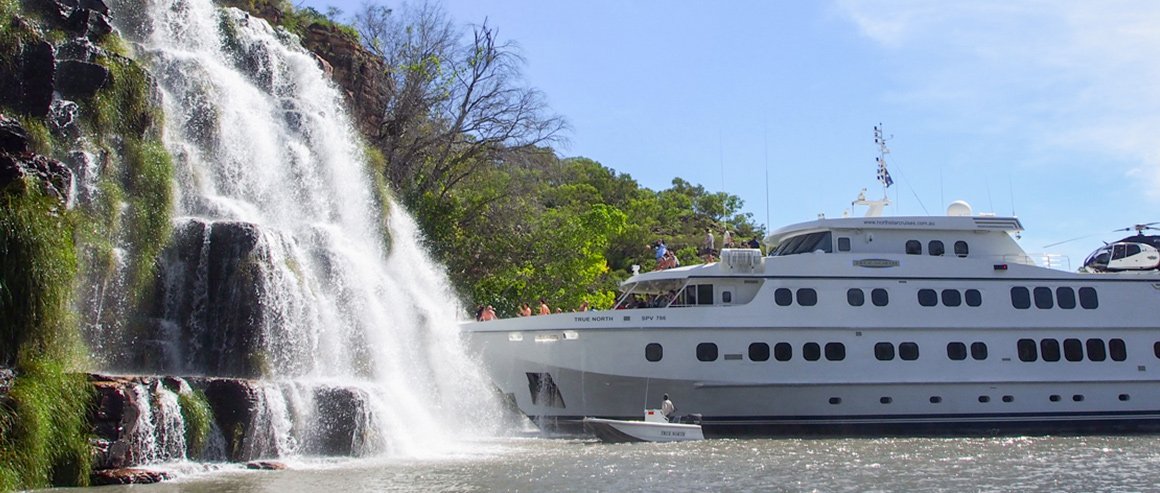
(1048, 109)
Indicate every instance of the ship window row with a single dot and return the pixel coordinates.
(950, 297)
(957, 351)
(857, 297)
(907, 351)
(1045, 298)
(1071, 350)
(805, 296)
(760, 351)
(936, 248)
(983, 399)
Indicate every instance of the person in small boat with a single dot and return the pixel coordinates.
(667, 408)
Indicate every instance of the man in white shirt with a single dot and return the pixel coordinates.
(667, 408)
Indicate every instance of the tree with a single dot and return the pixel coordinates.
(454, 108)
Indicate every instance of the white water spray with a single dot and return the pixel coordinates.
(264, 149)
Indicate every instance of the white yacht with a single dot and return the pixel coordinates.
(855, 325)
(852, 325)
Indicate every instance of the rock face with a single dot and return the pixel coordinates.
(17, 163)
(105, 477)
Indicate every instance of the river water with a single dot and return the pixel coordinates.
(1084, 463)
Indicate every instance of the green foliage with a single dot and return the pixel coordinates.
(149, 171)
(298, 20)
(43, 434)
(198, 418)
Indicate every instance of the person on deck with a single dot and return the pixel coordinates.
(727, 242)
(544, 310)
(667, 408)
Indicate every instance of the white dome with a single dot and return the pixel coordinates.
(959, 208)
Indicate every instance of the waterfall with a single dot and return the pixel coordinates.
(278, 268)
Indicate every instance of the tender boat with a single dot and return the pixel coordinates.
(853, 325)
(654, 428)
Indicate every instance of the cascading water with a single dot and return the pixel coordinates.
(278, 268)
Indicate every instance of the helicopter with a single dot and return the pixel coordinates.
(1139, 252)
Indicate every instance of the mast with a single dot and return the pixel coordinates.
(876, 206)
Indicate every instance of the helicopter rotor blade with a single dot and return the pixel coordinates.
(1069, 240)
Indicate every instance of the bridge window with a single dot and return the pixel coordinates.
(913, 247)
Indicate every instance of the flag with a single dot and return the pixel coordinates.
(883, 175)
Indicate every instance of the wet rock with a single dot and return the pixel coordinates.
(234, 404)
(266, 465)
(28, 86)
(114, 417)
(128, 475)
(81, 49)
(53, 177)
(77, 79)
(13, 138)
(342, 415)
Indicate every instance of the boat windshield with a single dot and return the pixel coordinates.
(651, 294)
(807, 243)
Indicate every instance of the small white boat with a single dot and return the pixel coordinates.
(654, 428)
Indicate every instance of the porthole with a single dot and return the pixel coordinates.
(1065, 297)
(927, 297)
(1096, 350)
(957, 351)
(1072, 350)
(855, 297)
(936, 248)
(1020, 298)
(1027, 349)
(884, 351)
(979, 350)
(783, 297)
(1077, 397)
(707, 351)
(908, 351)
(835, 351)
(653, 352)
(879, 297)
(1054, 398)
(759, 351)
(807, 297)
(811, 351)
(782, 351)
(934, 399)
(913, 247)
(1008, 398)
(1118, 351)
(973, 297)
(1043, 298)
(1125, 397)
(961, 248)
(1155, 348)
(885, 400)
(835, 400)
(984, 398)
(951, 297)
(1088, 298)
(1049, 349)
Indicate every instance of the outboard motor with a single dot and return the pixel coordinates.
(690, 419)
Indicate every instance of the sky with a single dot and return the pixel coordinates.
(1047, 110)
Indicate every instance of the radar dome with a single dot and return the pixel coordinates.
(959, 208)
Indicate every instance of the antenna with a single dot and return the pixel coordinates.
(766, 139)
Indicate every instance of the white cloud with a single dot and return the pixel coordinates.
(1064, 75)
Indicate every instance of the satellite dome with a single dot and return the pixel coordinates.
(959, 208)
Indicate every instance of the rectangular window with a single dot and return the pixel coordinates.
(704, 294)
